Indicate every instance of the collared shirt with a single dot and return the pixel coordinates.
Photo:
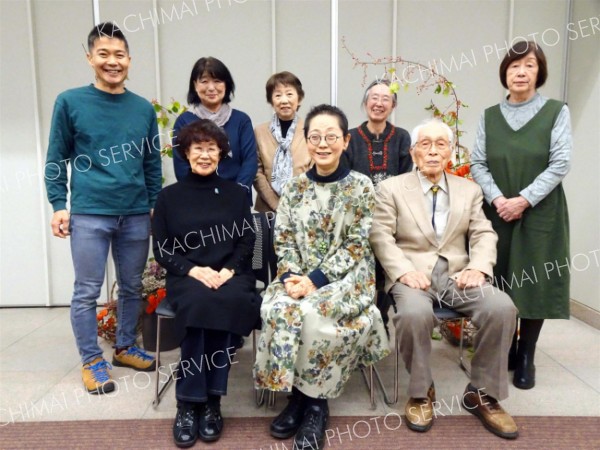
(442, 205)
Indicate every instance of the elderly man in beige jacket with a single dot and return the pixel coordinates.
(435, 245)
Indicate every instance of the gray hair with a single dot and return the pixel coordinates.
(414, 136)
(375, 83)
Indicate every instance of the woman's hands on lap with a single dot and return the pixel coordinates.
(299, 286)
(210, 277)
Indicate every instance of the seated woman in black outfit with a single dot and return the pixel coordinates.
(203, 237)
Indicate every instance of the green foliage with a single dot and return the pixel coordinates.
(164, 115)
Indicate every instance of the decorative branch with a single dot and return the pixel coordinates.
(430, 79)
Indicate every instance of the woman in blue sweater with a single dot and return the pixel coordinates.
(210, 90)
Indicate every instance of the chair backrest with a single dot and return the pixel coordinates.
(263, 259)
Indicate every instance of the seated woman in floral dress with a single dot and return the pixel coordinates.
(319, 322)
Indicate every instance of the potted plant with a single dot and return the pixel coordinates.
(153, 293)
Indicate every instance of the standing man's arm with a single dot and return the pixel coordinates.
(153, 162)
(60, 148)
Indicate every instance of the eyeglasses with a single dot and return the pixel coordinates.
(330, 139)
(207, 151)
(440, 144)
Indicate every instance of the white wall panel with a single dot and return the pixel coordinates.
(61, 64)
(582, 184)
(303, 48)
(22, 257)
(463, 39)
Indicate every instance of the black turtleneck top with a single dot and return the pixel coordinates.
(202, 221)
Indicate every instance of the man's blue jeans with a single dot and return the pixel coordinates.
(91, 238)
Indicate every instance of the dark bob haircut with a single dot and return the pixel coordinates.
(328, 110)
(519, 51)
(106, 29)
(202, 130)
(214, 68)
(286, 79)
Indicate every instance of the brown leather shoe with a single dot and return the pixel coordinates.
(418, 412)
(489, 411)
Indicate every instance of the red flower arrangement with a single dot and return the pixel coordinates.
(154, 299)
(460, 164)
(153, 285)
(107, 318)
(153, 292)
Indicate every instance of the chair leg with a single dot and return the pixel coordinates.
(158, 391)
(259, 394)
(461, 360)
(386, 397)
(156, 372)
(368, 378)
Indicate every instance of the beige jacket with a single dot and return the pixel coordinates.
(266, 198)
(403, 239)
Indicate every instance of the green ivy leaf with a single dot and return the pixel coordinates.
(438, 89)
(157, 107)
(394, 87)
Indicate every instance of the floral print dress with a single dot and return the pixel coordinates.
(315, 343)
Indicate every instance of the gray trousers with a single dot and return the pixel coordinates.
(491, 311)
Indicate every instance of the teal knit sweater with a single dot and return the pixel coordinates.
(111, 147)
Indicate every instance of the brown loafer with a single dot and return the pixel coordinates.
(418, 412)
(490, 413)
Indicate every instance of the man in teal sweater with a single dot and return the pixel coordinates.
(108, 137)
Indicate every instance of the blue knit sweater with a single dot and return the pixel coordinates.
(112, 145)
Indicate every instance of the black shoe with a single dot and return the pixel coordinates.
(524, 377)
(286, 424)
(185, 427)
(312, 429)
(210, 424)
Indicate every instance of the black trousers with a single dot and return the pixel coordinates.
(206, 357)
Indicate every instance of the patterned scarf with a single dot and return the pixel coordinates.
(282, 162)
(220, 117)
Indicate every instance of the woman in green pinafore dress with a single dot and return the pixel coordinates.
(521, 155)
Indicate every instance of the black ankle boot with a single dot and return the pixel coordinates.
(210, 424)
(311, 434)
(288, 421)
(512, 353)
(524, 377)
(185, 427)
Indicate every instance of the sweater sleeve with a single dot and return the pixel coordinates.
(248, 157)
(152, 162)
(181, 166)
(262, 184)
(479, 166)
(561, 144)
(60, 147)
(405, 164)
(163, 245)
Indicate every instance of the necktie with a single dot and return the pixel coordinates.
(434, 189)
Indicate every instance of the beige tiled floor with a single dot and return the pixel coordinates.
(40, 377)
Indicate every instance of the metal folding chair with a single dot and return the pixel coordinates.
(164, 311)
(442, 314)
